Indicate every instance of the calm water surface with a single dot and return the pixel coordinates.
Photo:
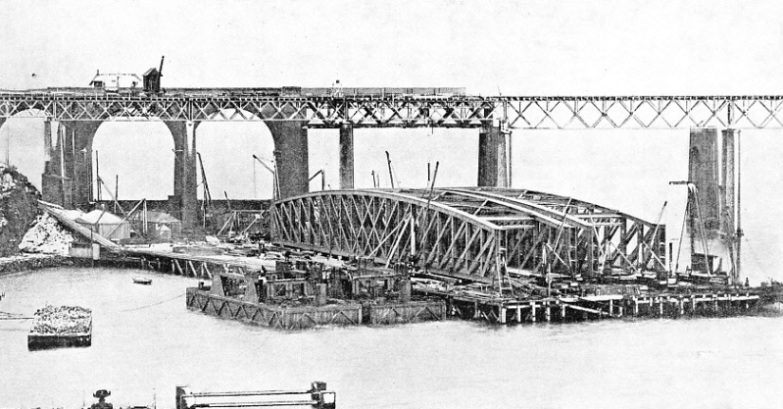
(145, 342)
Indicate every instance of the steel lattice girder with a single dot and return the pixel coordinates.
(470, 233)
(523, 112)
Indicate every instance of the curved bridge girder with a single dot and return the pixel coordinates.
(471, 233)
(389, 226)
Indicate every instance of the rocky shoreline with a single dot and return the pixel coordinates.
(29, 262)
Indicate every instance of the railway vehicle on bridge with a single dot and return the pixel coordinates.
(129, 84)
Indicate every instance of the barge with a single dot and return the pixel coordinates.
(304, 294)
(63, 326)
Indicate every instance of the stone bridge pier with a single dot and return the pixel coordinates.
(291, 156)
(67, 179)
(494, 156)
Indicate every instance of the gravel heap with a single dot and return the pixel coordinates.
(62, 320)
(47, 236)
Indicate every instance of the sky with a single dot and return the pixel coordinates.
(488, 47)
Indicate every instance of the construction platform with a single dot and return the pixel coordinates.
(507, 310)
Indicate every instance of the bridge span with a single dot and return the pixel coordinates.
(74, 115)
(481, 234)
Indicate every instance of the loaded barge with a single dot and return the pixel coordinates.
(63, 326)
(302, 293)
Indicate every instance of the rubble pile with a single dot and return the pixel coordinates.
(62, 320)
(47, 236)
(18, 208)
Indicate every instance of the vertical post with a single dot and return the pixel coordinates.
(611, 307)
(98, 194)
(729, 225)
(116, 191)
(413, 234)
(635, 306)
(532, 311)
(660, 307)
(548, 312)
(346, 156)
(738, 269)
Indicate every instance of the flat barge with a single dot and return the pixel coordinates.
(305, 294)
(55, 327)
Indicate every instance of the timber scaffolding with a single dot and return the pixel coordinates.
(508, 310)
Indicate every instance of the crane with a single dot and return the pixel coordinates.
(273, 170)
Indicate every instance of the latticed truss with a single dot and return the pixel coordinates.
(663, 112)
(472, 233)
(582, 112)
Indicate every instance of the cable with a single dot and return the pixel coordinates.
(152, 305)
(755, 257)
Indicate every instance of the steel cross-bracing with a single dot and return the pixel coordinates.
(479, 234)
(402, 109)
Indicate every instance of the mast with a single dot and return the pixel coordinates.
(388, 160)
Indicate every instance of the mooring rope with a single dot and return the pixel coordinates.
(11, 316)
(755, 257)
(153, 304)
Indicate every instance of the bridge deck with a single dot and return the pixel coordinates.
(399, 107)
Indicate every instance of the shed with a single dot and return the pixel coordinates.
(115, 81)
(159, 225)
(152, 80)
(106, 224)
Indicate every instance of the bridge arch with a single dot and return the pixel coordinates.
(142, 154)
(471, 233)
(227, 150)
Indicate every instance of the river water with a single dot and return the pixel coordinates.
(145, 342)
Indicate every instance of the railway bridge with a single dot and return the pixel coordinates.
(74, 114)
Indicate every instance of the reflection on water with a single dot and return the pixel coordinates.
(145, 342)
